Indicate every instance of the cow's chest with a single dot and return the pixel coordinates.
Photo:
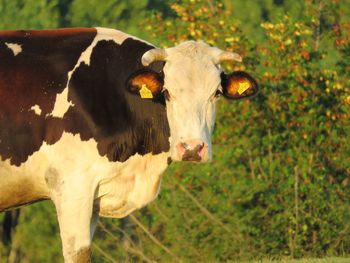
(134, 184)
(116, 188)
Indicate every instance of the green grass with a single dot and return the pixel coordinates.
(324, 260)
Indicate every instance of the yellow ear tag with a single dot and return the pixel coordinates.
(242, 87)
(145, 93)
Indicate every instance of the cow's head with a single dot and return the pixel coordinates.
(193, 80)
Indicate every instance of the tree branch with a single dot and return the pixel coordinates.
(103, 253)
(133, 249)
(204, 210)
(152, 237)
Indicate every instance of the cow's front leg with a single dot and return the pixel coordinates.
(77, 224)
(74, 205)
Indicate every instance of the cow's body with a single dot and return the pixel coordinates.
(88, 139)
(71, 131)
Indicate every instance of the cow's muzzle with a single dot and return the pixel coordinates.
(192, 150)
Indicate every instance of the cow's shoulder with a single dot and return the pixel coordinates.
(122, 123)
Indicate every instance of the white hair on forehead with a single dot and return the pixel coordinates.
(191, 71)
(192, 49)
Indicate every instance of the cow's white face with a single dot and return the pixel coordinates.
(192, 81)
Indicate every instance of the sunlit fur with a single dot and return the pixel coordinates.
(192, 79)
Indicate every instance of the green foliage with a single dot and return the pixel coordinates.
(38, 231)
(28, 14)
(109, 13)
(287, 149)
(279, 183)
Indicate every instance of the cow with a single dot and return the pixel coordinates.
(91, 117)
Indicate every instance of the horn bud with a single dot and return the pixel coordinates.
(152, 55)
(229, 56)
(221, 56)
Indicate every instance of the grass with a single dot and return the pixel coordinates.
(311, 260)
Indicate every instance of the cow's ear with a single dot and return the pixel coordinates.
(146, 83)
(238, 85)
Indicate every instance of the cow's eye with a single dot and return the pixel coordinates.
(218, 93)
(166, 94)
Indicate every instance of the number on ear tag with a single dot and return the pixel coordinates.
(145, 93)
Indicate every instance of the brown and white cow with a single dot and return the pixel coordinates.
(90, 118)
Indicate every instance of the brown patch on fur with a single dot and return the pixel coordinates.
(64, 32)
(34, 78)
(83, 255)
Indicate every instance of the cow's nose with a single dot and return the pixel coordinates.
(192, 150)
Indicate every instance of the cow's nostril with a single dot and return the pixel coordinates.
(199, 147)
(186, 146)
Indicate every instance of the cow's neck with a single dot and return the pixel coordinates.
(123, 124)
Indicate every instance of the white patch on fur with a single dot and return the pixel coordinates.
(15, 48)
(192, 78)
(120, 187)
(36, 109)
(62, 104)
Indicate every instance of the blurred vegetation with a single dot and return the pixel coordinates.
(279, 185)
